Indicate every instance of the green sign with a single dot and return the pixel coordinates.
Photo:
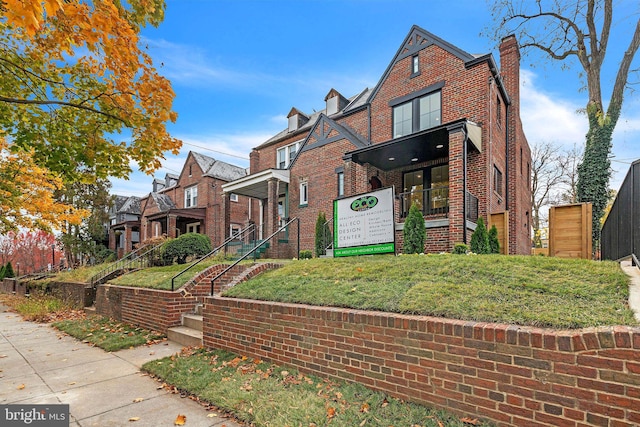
(365, 250)
(364, 224)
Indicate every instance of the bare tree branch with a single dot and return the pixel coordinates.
(61, 103)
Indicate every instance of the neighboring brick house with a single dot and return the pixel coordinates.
(124, 224)
(441, 126)
(192, 201)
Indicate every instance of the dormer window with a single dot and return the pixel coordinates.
(293, 123)
(296, 119)
(335, 102)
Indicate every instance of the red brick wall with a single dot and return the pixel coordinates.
(149, 308)
(515, 376)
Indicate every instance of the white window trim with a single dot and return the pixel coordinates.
(304, 193)
(191, 196)
(287, 152)
(233, 197)
(191, 226)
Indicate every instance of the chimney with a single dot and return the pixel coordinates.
(510, 69)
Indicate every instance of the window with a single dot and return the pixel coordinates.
(234, 229)
(428, 189)
(233, 197)
(193, 227)
(498, 110)
(497, 180)
(304, 193)
(340, 184)
(286, 155)
(415, 65)
(426, 110)
(191, 196)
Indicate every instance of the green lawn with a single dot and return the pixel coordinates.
(108, 334)
(524, 290)
(263, 394)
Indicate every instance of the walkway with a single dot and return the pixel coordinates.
(40, 365)
(634, 287)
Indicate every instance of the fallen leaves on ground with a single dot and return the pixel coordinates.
(472, 421)
(180, 420)
(132, 419)
(21, 387)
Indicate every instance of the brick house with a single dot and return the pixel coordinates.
(191, 202)
(441, 126)
(124, 224)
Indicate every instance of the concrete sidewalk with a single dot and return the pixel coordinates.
(40, 365)
(634, 287)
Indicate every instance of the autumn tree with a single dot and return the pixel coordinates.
(579, 30)
(78, 93)
(27, 194)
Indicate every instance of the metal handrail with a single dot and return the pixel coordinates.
(223, 272)
(123, 263)
(240, 233)
(327, 232)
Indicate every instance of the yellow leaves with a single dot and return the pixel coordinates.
(180, 420)
(103, 37)
(21, 387)
(26, 194)
(133, 419)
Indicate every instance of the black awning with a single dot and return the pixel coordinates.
(404, 151)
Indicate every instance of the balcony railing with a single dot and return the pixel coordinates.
(435, 201)
(431, 201)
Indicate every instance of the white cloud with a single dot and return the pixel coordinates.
(547, 117)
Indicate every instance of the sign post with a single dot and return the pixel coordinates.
(364, 224)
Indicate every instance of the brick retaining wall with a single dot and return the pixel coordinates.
(150, 308)
(512, 375)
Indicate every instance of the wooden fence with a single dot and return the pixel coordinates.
(501, 221)
(570, 231)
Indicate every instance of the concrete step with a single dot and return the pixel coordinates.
(193, 321)
(199, 308)
(185, 336)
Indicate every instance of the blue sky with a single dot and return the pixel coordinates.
(238, 66)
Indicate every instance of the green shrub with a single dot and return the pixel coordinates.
(2, 271)
(480, 239)
(8, 270)
(460, 249)
(414, 232)
(494, 243)
(190, 244)
(306, 255)
(323, 235)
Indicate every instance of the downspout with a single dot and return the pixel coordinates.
(369, 127)
(506, 156)
(464, 183)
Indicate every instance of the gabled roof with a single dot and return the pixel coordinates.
(217, 168)
(163, 202)
(118, 202)
(353, 103)
(130, 206)
(328, 131)
(418, 39)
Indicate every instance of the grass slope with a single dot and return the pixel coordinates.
(524, 290)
